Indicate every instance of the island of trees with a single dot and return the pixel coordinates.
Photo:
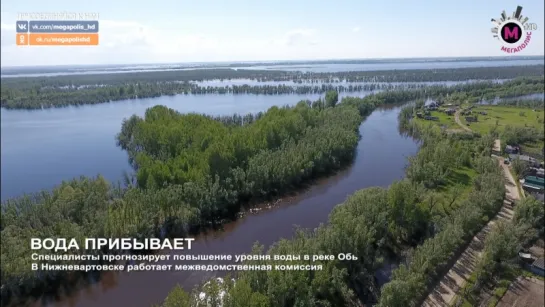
(62, 91)
(193, 171)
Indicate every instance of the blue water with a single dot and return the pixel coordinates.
(394, 66)
(326, 67)
(40, 148)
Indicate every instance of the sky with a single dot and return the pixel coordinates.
(175, 31)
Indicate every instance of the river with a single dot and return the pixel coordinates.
(381, 158)
(386, 64)
(41, 148)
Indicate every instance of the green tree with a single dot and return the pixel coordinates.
(331, 99)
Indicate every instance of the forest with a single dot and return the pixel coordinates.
(194, 171)
(62, 91)
(419, 221)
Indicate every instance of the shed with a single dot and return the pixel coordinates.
(533, 183)
(511, 149)
(538, 267)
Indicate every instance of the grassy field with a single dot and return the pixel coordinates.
(501, 116)
(444, 120)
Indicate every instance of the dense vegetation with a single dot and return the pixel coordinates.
(501, 247)
(60, 91)
(193, 170)
(427, 212)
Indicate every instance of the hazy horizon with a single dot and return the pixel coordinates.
(514, 58)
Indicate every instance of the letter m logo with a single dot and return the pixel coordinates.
(510, 33)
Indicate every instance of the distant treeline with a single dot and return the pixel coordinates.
(46, 95)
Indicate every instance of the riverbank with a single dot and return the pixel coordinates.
(145, 218)
(376, 164)
(63, 91)
(356, 228)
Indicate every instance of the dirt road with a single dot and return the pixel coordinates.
(524, 292)
(444, 293)
(459, 122)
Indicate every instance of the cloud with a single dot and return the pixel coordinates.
(299, 37)
(356, 29)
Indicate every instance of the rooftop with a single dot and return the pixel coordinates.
(522, 157)
(539, 263)
(534, 179)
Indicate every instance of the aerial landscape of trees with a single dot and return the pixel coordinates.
(62, 91)
(193, 171)
(419, 226)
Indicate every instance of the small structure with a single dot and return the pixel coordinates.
(431, 118)
(471, 119)
(419, 115)
(533, 184)
(450, 111)
(538, 172)
(432, 106)
(538, 267)
(511, 149)
(496, 150)
(531, 161)
(483, 113)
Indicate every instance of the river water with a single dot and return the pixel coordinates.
(40, 148)
(381, 158)
(392, 64)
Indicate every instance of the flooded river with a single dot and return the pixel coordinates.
(381, 158)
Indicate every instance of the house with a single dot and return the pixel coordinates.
(511, 149)
(538, 267)
(533, 184)
(432, 105)
(538, 172)
(471, 119)
(483, 113)
(531, 161)
(450, 111)
(496, 150)
(419, 115)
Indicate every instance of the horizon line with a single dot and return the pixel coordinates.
(272, 61)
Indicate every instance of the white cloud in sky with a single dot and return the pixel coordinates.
(299, 37)
(356, 29)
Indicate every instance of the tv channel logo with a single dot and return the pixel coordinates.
(514, 32)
